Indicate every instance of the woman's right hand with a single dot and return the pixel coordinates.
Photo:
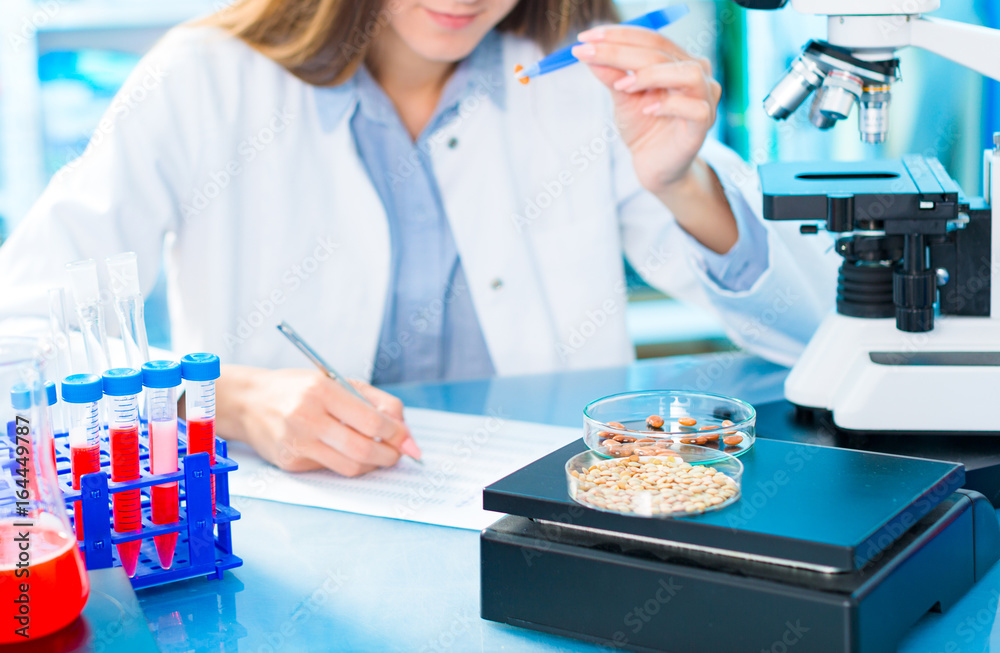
(301, 420)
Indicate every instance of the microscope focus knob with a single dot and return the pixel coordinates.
(914, 295)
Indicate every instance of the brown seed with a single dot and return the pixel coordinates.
(634, 459)
(603, 434)
(727, 422)
(689, 441)
(644, 441)
(617, 425)
(609, 443)
(654, 421)
(687, 421)
(701, 440)
(624, 439)
(710, 438)
(732, 440)
(706, 428)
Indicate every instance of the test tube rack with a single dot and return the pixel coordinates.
(204, 542)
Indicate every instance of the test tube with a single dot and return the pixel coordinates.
(121, 388)
(81, 393)
(161, 380)
(124, 272)
(200, 372)
(87, 297)
(52, 401)
(59, 331)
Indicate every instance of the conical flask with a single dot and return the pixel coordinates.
(43, 582)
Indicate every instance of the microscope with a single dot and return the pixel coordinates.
(914, 344)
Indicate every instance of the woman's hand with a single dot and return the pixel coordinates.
(301, 420)
(665, 103)
(665, 99)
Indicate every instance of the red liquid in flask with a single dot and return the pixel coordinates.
(57, 582)
(201, 439)
(83, 460)
(127, 505)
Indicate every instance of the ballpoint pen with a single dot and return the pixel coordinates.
(655, 20)
(324, 367)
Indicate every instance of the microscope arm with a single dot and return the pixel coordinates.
(972, 46)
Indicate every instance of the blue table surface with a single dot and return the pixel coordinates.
(321, 580)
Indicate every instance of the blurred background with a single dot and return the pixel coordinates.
(61, 62)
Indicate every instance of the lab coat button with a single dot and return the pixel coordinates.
(452, 143)
(496, 284)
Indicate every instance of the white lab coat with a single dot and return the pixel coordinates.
(248, 182)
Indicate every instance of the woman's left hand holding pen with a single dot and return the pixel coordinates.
(666, 101)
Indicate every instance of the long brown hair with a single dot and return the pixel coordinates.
(323, 41)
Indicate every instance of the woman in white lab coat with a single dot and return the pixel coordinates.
(373, 173)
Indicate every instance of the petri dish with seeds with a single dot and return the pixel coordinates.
(649, 423)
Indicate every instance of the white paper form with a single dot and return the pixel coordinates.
(462, 454)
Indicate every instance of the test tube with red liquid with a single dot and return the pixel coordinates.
(82, 393)
(200, 372)
(122, 387)
(161, 380)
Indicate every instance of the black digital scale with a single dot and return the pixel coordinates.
(836, 549)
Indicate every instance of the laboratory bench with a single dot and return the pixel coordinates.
(321, 580)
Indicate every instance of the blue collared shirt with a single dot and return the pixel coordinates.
(431, 330)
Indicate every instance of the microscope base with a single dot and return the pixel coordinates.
(872, 377)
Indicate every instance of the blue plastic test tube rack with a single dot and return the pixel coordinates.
(201, 551)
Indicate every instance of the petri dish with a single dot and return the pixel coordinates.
(685, 481)
(616, 426)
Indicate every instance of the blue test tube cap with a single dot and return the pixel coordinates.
(161, 374)
(20, 397)
(122, 382)
(50, 393)
(82, 389)
(201, 367)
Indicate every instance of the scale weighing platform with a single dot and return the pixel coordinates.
(836, 549)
